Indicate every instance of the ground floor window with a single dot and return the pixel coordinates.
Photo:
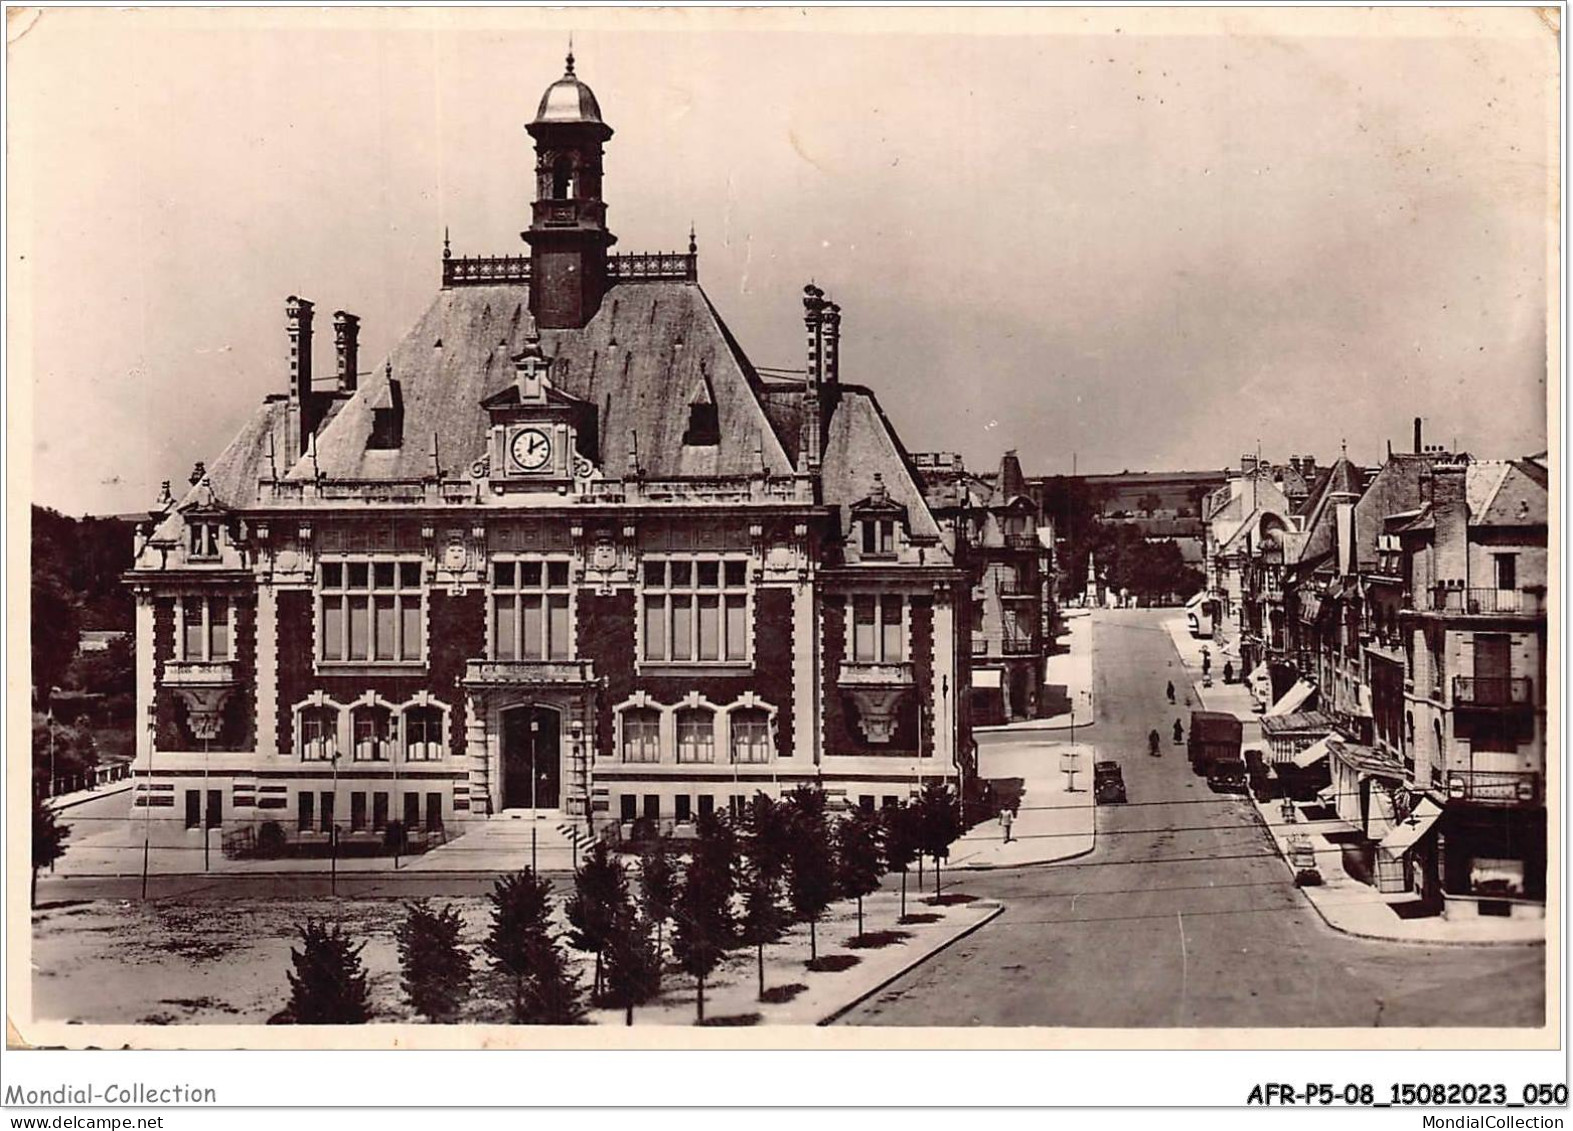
(357, 812)
(684, 810)
(628, 807)
(750, 735)
(379, 811)
(306, 813)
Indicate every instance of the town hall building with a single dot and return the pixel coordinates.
(564, 551)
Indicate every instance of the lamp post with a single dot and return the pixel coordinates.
(535, 770)
(147, 792)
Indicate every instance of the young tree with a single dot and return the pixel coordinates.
(436, 967)
(703, 912)
(524, 949)
(633, 961)
(328, 983)
(811, 861)
(901, 843)
(766, 844)
(49, 841)
(859, 857)
(600, 894)
(657, 886)
(938, 824)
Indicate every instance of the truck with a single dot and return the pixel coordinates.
(1216, 736)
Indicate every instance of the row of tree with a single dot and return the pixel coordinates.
(746, 882)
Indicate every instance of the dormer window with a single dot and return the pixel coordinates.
(704, 426)
(879, 538)
(205, 540)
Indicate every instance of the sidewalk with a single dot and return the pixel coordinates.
(1356, 908)
(1071, 670)
(1051, 824)
(1345, 903)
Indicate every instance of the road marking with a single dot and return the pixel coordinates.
(1185, 967)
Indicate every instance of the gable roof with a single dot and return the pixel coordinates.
(637, 362)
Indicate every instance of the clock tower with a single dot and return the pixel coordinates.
(567, 236)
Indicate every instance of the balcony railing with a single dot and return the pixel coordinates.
(1494, 787)
(678, 267)
(1492, 691)
(199, 673)
(1018, 541)
(485, 270)
(376, 492)
(1482, 602)
(718, 489)
(875, 673)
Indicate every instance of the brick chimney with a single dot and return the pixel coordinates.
(809, 449)
(346, 344)
(832, 342)
(1450, 511)
(1418, 447)
(303, 403)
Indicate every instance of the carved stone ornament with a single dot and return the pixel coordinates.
(454, 556)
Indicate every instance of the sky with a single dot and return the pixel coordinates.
(1108, 239)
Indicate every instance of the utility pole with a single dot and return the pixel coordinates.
(207, 806)
(333, 827)
(147, 792)
(535, 773)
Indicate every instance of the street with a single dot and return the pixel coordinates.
(1184, 915)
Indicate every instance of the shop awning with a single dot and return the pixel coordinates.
(1293, 699)
(1412, 827)
(985, 677)
(1311, 755)
(1196, 600)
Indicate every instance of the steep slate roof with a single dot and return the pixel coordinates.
(860, 443)
(1342, 478)
(1395, 489)
(1504, 494)
(639, 361)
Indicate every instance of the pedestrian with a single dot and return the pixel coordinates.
(1007, 818)
(1171, 691)
(1179, 732)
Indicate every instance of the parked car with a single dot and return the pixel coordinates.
(1226, 775)
(1108, 783)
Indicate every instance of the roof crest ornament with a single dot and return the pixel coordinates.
(570, 54)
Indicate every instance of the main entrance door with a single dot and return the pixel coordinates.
(531, 758)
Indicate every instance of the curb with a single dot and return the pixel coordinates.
(1031, 727)
(1367, 935)
(842, 1010)
(94, 796)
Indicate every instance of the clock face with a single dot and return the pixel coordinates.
(531, 449)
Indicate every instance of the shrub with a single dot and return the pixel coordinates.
(436, 967)
(328, 982)
(49, 841)
(524, 949)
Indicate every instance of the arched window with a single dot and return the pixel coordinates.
(319, 734)
(562, 179)
(750, 735)
(641, 734)
(423, 734)
(696, 735)
(372, 730)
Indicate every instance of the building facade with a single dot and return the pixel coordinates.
(564, 550)
(1006, 547)
(1408, 608)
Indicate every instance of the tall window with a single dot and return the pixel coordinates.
(204, 539)
(530, 613)
(205, 633)
(750, 735)
(695, 611)
(641, 735)
(696, 735)
(371, 611)
(878, 629)
(879, 537)
(319, 734)
(1506, 570)
(423, 734)
(372, 728)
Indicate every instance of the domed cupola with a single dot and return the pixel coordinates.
(568, 237)
(568, 100)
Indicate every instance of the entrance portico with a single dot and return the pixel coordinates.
(530, 725)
